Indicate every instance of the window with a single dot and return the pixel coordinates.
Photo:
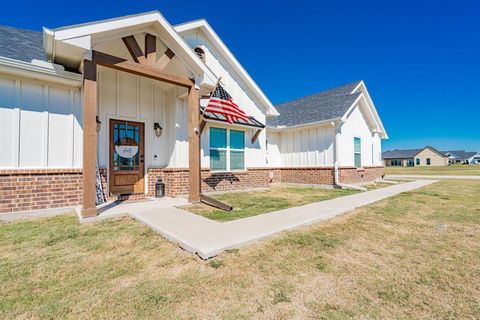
(417, 161)
(357, 153)
(428, 161)
(396, 162)
(227, 149)
(200, 53)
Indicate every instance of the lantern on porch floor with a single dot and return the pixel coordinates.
(159, 189)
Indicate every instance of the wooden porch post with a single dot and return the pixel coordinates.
(194, 172)
(89, 138)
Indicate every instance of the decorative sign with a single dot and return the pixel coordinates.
(99, 189)
(126, 148)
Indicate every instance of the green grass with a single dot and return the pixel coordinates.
(412, 256)
(461, 170)
(247, 204)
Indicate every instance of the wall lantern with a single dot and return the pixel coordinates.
(99, 124)
(157, 129)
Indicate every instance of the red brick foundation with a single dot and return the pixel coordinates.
(366, 174)
(176, 179)
(23, 190)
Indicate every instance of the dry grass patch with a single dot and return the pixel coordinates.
(416, 255)
(246, 204)
(460, 170)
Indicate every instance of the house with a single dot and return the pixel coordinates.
(427, 156)
(339, 127)
(474, 158)
(108, 108)
(461, 157)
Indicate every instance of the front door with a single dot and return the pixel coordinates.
(126, 157)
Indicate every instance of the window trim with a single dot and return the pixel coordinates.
(227, 150)
(355, 152)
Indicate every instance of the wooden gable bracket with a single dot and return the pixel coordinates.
(107, 60)
(163, 61)
(134, 49)
(150, 55)
(255, 137)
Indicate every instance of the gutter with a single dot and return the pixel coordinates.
(305, 125)
(32, 71)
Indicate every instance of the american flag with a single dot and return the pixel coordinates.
(221, 102)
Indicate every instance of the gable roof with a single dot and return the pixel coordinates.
(72, 43)
(408, 153)
(220, 46)
(323, 106)
(400, 154)
(21, 44)
(460, 154)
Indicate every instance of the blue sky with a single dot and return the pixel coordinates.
(419, 59)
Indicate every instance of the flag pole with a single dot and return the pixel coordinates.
(202, 122)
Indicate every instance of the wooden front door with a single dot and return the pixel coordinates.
(126, 157)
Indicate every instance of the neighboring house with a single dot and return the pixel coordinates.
(461, 156)
(474, 158)
(427, 156)
(123, 94)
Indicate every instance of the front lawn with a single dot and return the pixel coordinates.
(247, 204)
(460, 170)
(412, 256)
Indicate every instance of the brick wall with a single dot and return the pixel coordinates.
(23, 190)
(176, 179)
(365, 174)
(307, 175)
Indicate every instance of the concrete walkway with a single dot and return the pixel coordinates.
(414, 177)
(209, 238)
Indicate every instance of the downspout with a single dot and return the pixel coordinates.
(337, 125)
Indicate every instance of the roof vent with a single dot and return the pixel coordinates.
(200, 52)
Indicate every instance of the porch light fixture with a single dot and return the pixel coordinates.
(157, 129)
(99, 124)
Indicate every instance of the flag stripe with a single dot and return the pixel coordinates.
(221, 103)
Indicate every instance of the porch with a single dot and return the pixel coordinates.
(133, 89)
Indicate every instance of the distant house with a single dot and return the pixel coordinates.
(427, 156)
(462, 157)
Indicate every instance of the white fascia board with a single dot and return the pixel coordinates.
(230, 58)
(363, 88)
(29, 70)
(377, 125)
(75, 36)
(306, 125)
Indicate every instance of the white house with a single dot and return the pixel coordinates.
(125, 95)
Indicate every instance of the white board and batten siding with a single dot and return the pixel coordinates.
(40, 124)
(314, 146)
(123, 96)
(255, 154)
(301, 147)
(356, 126)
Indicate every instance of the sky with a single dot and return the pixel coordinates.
(419, 59)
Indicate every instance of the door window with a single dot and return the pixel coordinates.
(126, 143)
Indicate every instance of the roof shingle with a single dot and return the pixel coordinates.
(21, 44)
(322, 106)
